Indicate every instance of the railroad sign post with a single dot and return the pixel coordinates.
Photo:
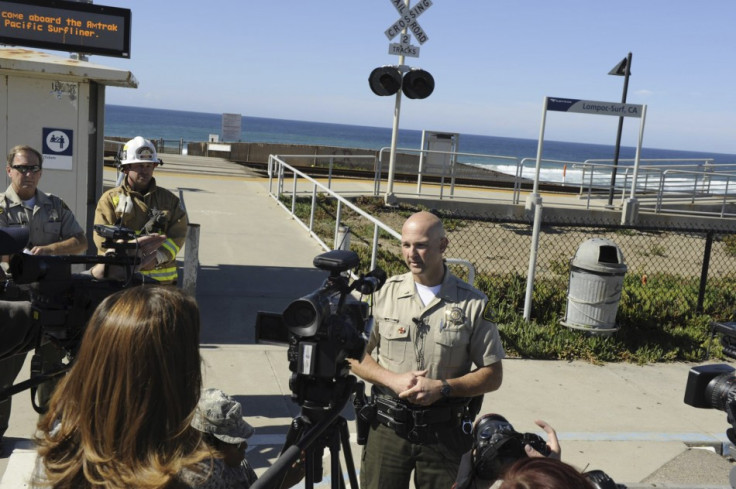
(406, 25)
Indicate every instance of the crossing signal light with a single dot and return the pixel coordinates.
(418, 84)
(385, 80)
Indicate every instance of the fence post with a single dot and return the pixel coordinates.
(532, 261)
(704, 271)
(191, 260)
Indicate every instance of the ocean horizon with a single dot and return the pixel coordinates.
(189, 126)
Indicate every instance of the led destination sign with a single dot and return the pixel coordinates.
(66, 26)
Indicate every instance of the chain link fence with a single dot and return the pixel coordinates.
(678, 279)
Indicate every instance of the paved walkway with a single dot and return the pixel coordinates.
(627, 420)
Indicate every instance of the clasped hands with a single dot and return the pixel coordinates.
(417, 388)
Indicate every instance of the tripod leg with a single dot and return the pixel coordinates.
(348, 453)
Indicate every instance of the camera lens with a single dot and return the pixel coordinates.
(721, 390)
(300, 314)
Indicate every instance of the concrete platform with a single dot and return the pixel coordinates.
(627, 420)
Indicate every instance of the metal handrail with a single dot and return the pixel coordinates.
(276, 166)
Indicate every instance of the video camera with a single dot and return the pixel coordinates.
(327, 327)
(323, 330)
(714, 387)
(61, 302)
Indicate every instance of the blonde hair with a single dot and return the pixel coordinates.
(120, 418)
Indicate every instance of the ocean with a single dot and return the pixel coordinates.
(560, 157)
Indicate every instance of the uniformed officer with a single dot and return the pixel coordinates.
(433, 346)
(53, 230)
(139, 204)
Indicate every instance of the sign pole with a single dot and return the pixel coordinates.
(390, 198)
(614, 170)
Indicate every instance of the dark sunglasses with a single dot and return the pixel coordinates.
(27, 168)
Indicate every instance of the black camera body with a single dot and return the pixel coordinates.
(326, 327)
(496, 445)
(114, 232)
(711, 386)
(61, 301)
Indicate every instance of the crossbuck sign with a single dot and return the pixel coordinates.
(407, 20)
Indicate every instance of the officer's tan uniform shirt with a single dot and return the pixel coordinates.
(49, 221)
(448, 336)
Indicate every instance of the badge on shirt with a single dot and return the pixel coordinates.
(454, 316)
(53, 216)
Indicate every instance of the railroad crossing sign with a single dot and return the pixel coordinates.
(407, 20)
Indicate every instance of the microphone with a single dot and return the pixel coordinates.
(372, 281)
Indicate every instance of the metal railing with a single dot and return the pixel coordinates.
(277, 170)
(474, 168)
(277, 179)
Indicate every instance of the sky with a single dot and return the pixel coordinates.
(493, 62)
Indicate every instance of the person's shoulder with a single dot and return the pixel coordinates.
(397, 280)
(469, 290)
(393, 285)
(207, 474)
(112, 191)
(55, 200)
(156, 189)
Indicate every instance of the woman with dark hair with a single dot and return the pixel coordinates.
(121, 416)
(543, 473)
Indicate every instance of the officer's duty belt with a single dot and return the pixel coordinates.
(415, 424)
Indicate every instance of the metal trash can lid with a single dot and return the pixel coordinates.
(599, 255)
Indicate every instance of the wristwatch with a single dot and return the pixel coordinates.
(446, 389)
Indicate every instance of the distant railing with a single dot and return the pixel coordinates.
(662, 185)
(163, 146)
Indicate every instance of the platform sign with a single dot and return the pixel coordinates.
(66, 26)
(231, 127)
(594, 107)
(408, 20)
(57, 148)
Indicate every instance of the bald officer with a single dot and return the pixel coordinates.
(433, 347)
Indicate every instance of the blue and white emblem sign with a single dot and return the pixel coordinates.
(58, 145)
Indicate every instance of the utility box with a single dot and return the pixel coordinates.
(596, 280)
(57, 106)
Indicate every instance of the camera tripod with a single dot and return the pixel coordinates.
(315, 429)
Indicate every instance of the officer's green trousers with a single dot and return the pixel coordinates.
(388, 460)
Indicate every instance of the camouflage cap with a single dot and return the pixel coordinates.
(221, 415)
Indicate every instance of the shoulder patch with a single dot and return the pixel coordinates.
(488, 312)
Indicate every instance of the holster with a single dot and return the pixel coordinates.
(420, 425)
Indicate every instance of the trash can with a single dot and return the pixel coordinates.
(596, 279)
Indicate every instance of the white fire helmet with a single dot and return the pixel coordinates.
(139, 150)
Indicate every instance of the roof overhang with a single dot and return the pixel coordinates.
(26, 62)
